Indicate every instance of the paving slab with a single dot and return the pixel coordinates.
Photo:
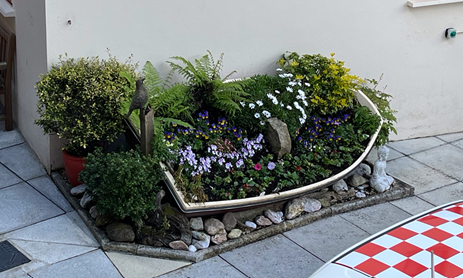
(458, 143)
(7, 177)
(10, 138)
(21, 205)
(59, 229)
(49, 253)
(423, 178)
(94, 264)
(450, 137)
(376, 218)
(75, 217)
(416, 145)
(412, 205)
(22, 161)
(131, 266)
(446, 194)
(448, 159)
(16, 272)
(45, 185)
(276, 256)
(328, 237)
(373, 155)
(211, 268)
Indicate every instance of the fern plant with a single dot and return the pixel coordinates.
(206, 87)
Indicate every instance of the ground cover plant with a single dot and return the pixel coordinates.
(223, 154)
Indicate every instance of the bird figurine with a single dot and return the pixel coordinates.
(140, 98)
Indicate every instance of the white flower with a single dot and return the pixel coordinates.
(305, 102)
(301, 120)
(266, 113)
(289, 89)
(307, 84)
(299, 83)
(260, 103)
(276, 91)
(282, 75)
(289, 107)
(301, 92)
(275, 101)
(257, 115)
(304, 116)
(298, 97)
(252, 105)
(262, 123)
(278, 69)
(242, 103)
(296, 104)
(292, 83)
(282, 105)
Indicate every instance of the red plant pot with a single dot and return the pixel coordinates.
(73, 165)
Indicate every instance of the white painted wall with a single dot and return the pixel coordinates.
(31, 61)
(421, 68)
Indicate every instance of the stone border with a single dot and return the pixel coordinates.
(399, 191)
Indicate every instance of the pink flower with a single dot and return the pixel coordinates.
(258, 166)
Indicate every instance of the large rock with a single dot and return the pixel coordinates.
(93, 212)
(103, 219)
(278, 137)
(295, 207)
(229, 221)
(340, 186)
(220, 237)
(235, 233)
(201, 240)
(212, 226)
(356, 180)
(86, 202)
(79, 190)
(275, 217)
(120, 232)
(178, 245)
(263, 221)
(196, 224)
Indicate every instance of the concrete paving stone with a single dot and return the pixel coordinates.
(10, 138)
(16, 272)
(328, 237)
(448, 159)
(45, 185)
(22, 161)
(21, 205)
(373, 155)
(47, 252)
(287, 259)
(416, 145)
(210, 268)
(423, 178)
(7, 177)
(75, 217)
(131, 266)
(458, 144)
(450, 137)
(376, 218)
(446, 194)
(412, 205)
(59, 229)
(94, 264)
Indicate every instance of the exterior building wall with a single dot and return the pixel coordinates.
(421, 68)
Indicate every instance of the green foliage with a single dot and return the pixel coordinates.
(382, 102)
(332, 87)
(206, 87)
(122, 184)
(80, 99)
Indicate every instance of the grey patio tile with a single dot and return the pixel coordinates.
(273, 257)
(21, 160)
(94, 264)
(60, 229)
(131, 266)
(450, 137)
(49, 253)
(447, 159)
(328, 237)
(373, 155)
(458, 143)
(376, 218)
(75, 217)
(210, 268)
(446, 194)
(16, 272)
(416, 145)
(45, 185)
(7, 177)
(423, 178)
(21, 205)
(412, 205)
(10, 138)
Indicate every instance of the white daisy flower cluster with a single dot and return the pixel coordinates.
(273, 98)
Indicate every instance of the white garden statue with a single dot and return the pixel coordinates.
(379, 180)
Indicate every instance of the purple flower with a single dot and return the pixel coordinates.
(271, 166)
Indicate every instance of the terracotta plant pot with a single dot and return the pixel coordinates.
(73, 165)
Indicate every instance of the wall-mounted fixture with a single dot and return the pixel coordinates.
(451, 33)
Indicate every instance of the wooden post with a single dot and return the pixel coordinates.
(147, 131)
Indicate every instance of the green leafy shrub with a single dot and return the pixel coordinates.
(332, 87)
(122, 184)
(80, 99)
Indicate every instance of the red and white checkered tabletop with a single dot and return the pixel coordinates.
(405, 251)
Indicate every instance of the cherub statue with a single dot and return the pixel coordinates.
(379, 180)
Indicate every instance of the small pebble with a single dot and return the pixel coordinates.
(250, 224)
(360, 187)
(360, 195)
(192, 248)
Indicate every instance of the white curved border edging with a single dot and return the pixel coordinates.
(222, 206)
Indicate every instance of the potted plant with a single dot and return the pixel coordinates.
(80, 100)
